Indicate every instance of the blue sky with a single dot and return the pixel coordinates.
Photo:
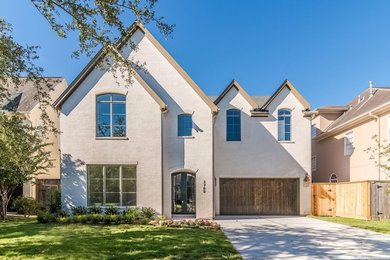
(328, 49)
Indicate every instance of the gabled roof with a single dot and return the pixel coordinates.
(260, 104)
(133, 28)
(24, 98)
(234, 84)
(293, 90)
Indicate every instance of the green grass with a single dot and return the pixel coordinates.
(29, 239)
(382, 226)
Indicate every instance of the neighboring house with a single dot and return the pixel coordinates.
(342, 134)
(24, 100)
(163, 143)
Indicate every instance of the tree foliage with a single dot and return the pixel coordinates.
(380, 154)
(22, 155)
(98, 23)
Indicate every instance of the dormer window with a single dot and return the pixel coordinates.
(111, 115)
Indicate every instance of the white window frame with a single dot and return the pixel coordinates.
(314, 163)
(388, 128)
(349, 143)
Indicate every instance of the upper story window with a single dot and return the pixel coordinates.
(313, 131)
(348, 143)
(314, 163)
(233, 125)
(284, 125)
(110, 115)
(184, 125)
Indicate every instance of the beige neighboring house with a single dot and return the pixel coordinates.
(163, 143)
(24, 100)
(341, 134)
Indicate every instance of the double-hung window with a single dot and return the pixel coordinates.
(233, 125)
(111, 115)
(184, 125)
(284, 125)
(112, 185)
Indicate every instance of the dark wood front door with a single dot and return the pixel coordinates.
(259, 196)
(183, 193)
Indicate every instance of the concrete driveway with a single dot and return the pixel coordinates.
(302, 238)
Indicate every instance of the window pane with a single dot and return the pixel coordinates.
(129, 171)
(112, 172)
(103, 108)
(184, 125)
(129, 185)
(117, 97)
(288, 137)
(118, 131)
(105, 97)
(119, 108)
(103, 131)
(119, 120)
(129, 199)
(233, 125)
(104, 120)
(112, 199)
(95, 171)
(112, 185)
(95, 199)
(95, 185)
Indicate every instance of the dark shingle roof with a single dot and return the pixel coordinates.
(357, 108)
(24, 97)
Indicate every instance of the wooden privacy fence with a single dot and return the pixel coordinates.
(363, 200)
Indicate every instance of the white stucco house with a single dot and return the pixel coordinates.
(162, 143)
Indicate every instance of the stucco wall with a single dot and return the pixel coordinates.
(355, 167)
(259, 154)
(79, 146)
(186, 154)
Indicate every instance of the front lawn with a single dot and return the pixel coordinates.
(382, 226)
(31, 240)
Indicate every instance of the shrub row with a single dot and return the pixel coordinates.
(197, 223)
(94, 215)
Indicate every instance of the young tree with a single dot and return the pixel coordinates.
(380, 154)
(22, 155)
(98, 23)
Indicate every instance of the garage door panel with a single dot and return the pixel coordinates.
(259, 196)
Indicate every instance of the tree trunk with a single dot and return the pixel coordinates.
(4, 204)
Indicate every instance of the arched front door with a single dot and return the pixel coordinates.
(183, 193)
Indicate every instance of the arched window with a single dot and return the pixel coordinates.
(110, 115)
(233, 125)
(184, 125)
(284, 125)
(333, 178)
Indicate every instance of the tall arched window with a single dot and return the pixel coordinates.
(284, 125)
(233, 125)
(110, 115)
(184, 125)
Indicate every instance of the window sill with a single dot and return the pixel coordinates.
(112, 138)
(186, 137)
(286, 142)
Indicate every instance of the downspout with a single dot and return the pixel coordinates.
(377, 118)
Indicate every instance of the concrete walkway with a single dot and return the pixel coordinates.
(302, 238)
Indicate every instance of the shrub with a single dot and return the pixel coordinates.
(44, 217)
(198, 223)
(61, 213)
(148, 212)
(80, 210)
(26, 206)
(95, 210)
(97, 218)
(131, 215)
(55, 204)
(112, 211)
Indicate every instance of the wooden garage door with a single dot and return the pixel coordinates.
(259, 196)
